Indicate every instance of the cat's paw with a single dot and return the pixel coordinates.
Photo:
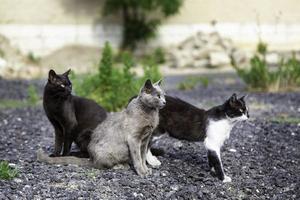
(152, 160)
(227, 179)
(121, 167)
(141, 172)
(54, 155)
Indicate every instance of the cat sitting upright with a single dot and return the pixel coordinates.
(73, 118)
(124, 136)
(185, 121)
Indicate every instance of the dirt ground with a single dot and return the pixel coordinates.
(261, 156)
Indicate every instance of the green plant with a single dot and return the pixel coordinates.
(139, 22)
(262, 48)
(289, 71)
(260, 77)
(191, 82)
(113, 85)
(33, 96)
(7, 172)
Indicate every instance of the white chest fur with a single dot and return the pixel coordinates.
(216, 133)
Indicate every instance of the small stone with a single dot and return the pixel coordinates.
(232, 150)
(13, 165)
(218, 59)
(174, 187)
(17, 180)
(293, 133)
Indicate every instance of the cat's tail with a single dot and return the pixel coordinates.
(64, 160)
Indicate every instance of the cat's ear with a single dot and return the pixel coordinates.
(158, 82)
(148, 86)
(67, 73)
(52, 76)
(244, 97)
(232, 100)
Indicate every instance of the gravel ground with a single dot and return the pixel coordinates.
(262, 157)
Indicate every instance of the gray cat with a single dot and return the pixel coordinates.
(123, 136)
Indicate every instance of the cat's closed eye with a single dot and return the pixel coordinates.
(241, 110)
(62, 85)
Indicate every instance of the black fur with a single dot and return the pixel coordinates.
(185, 121)
(182, 120)
(215, 162)
(73, 118)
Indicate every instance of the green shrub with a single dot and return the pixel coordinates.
(140, 19)
(113, 85)
(260, 77)
(7, 172)
(192, 82)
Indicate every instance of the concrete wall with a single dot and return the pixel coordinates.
(41, 26)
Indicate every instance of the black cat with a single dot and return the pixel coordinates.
(73, 118)
(185, 121)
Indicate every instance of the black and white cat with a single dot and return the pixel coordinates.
(187, 122)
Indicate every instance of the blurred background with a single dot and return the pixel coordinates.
(38, 35)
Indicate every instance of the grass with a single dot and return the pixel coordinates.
(286, 119)
(11, 103)
(191, 82)
(7, 172)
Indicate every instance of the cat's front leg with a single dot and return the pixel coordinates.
(70, 131)
(214, 161)
(59, 139)
(144, 148)
(135, 153)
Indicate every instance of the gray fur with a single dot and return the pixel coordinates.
(124, 136)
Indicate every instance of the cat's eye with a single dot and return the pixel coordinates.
(62, 85)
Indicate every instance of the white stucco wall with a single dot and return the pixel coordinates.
(41, 26)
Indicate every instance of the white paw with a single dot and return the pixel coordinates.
(152, 160)
(227, 179)
(121, 167)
